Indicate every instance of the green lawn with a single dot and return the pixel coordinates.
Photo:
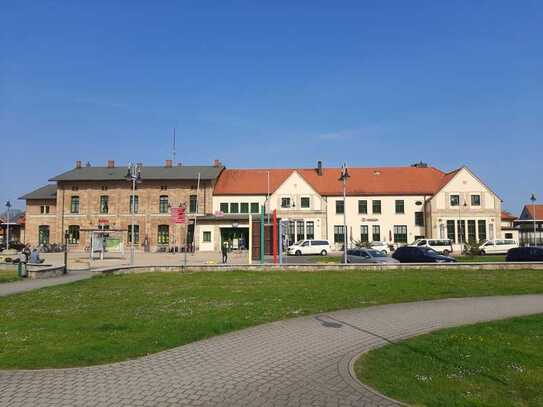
(112, 318)
(482, 259)
(7, 275)
(490, 364)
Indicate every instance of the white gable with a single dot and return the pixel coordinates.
(296, 187)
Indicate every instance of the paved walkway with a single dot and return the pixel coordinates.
(299, 362)
(28, 285)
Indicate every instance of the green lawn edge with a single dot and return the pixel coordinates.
(496, 363)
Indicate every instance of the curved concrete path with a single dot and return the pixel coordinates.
(299, 362)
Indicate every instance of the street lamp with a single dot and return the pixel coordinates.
(343, 177)
(533, 199)
(8, 206)
(133, 175)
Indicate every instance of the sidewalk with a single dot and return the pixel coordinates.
(29, 285)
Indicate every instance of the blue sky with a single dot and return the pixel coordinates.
(283, 83)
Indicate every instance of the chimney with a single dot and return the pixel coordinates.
(217, 163)
(78, 164)
(319, 168)
(168, 164)
(110, 164)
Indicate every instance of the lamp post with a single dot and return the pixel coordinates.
(533, 199)
(133, 175)
(343, 177)
(8, 206)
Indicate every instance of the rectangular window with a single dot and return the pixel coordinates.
(376, 233)
(290, 231)
(285, 202)
(44, 209)
(419, 218)
(300, 230)
(234, 207)
(461, 231)
(364, 234)
(340, 207)
(472, 236)
(310, 229)
(451, 231)
(455, 200)
(476, 200)
(482, 230)
(400, 206)
(254, 207)
(363, 207)
(43, 234)
(224, 207)
(400, 234)
(134, 204)
(193, 203)
(104, 204)
(305, 202)
(74, 204)
(163, 234)
(244, 207)
(206, 236)
(136, 234)
(376, 207)
(163, 204)
(339, 235)
(73, 234)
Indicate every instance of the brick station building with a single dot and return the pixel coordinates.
(88, 198)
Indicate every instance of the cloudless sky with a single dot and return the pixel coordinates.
(275, 83)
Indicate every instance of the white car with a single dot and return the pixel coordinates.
(302, 247)
(382, 247)
(442, 246)
(498, 246)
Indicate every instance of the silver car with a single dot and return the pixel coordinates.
(368, 256)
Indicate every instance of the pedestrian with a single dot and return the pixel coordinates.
(224, 250)
(35, 256)
(26, 253)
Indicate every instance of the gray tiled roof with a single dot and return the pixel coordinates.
(45, 192)
(207, 172)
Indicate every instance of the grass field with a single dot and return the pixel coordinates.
(490, 364)
(8, 274)
(113, 318)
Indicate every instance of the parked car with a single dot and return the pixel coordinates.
(414, 254)
(532, 253)
(14, 245)
(368, 256)
(302, 247)
(498, 246)
(382, 247)
(443, 246)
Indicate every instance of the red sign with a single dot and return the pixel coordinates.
(103, 221)
(178, 215)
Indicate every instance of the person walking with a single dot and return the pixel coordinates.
(224, 250)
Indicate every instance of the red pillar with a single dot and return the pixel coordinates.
(274, 237)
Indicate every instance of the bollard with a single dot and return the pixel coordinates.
(19, 269)
(24, 271)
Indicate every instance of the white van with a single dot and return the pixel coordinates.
(442, 246)
(321, 247)
(498, 246)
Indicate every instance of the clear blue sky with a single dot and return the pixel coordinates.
(278, 84)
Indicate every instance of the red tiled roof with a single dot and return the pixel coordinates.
(363, 181)
(508, 216)
(250, 181)
(538, 211)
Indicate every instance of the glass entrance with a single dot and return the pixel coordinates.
(43, 234)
